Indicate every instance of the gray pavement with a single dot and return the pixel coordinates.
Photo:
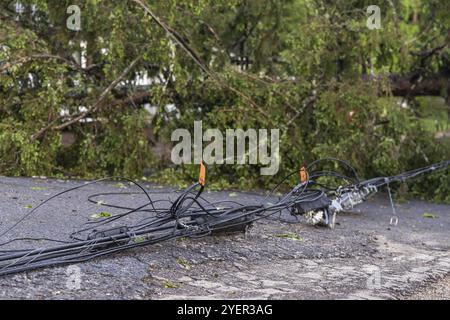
(362, 258)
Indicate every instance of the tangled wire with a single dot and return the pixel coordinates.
(318, 196)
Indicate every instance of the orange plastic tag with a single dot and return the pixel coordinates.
(303, 175)
(202, 176)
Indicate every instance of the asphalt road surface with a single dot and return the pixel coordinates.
(362, 258)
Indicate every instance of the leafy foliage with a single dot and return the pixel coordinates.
(310, 68)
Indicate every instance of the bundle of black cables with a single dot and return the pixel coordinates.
(189, 215)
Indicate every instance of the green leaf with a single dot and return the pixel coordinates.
(139, 239)
(120, 185)
(171, 285)
(101, 215)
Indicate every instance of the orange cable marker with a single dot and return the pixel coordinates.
(202, 176)
(303, 175)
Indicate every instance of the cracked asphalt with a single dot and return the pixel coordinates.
(362, 258)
